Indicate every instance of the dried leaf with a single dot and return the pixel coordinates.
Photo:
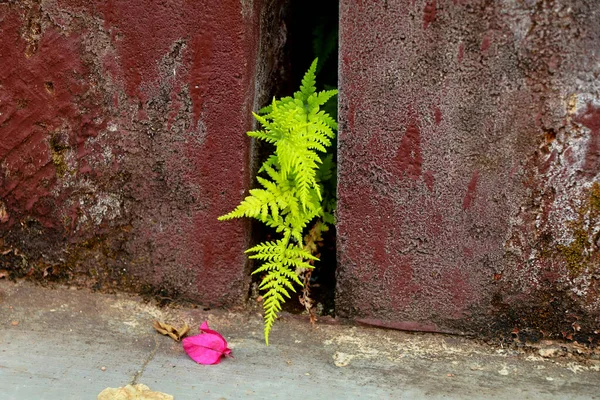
(166, 329)
(3, 273)
(135, 392)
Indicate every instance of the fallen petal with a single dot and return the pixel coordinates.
(216, 335)
(206, 348)
(200, 353)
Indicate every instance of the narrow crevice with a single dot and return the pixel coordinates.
(314, 34)
(271, 71)
(294, 35)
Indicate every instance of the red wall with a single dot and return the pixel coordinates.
(122, 140)
(469, 154)
(469, 148)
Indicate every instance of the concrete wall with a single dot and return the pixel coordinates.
(469, 154)
(122, 140)
(469, 148)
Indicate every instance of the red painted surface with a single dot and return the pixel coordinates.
(468, 155)
(461, 52)
(429, 180)
(122, 140)
(429, 13)
(486, 43)
(471, 191)
(408, 158)
(591, 120)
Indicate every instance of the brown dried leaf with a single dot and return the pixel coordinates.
(184, 331)
(173, 332)
(159, 327)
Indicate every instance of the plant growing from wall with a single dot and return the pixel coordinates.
(293, 197)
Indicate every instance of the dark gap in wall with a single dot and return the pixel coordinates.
(310, 29)
(313, 32)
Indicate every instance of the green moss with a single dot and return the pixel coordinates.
(574, 253)
(581, 253)
(595, 200)
(60, 163)
(59, 158)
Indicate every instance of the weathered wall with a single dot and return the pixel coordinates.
(469, 148)
(122, 140)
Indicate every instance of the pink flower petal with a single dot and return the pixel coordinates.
(200, 353)
(206, 348)
(204, 328)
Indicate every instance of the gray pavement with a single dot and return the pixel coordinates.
(66, 343)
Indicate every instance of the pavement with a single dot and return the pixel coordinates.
(68, 343)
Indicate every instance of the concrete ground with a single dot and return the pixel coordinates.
(65, 343)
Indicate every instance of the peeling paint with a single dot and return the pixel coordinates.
(123, 140)
(505, 97)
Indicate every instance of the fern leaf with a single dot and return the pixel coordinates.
(271, 307)
(308, 82)
(272, 247)
(323, 96)
(263, 136)
(295, 182)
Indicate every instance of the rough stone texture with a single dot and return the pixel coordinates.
(469, 155)
(122, 140)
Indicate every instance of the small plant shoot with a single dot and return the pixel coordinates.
(293, 198)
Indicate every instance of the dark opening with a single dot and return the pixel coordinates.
(311, 29)
(313, 32)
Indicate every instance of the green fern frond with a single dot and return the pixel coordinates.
(294, 180)
(324, 96)
(308, 83)
(330, 122)
(263, 136)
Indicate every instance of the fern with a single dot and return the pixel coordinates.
(293, 189)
